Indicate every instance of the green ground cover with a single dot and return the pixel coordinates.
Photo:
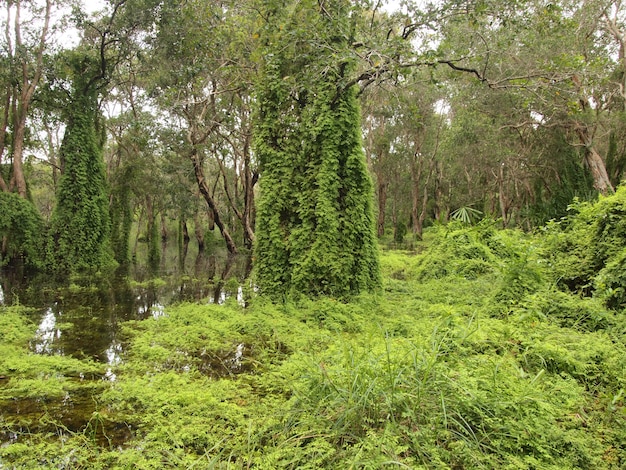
(488, 349)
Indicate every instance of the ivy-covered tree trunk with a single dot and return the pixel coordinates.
(315, 225)
(121, 216)
(80, 222)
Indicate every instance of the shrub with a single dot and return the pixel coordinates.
(587, 249)
(23, 228)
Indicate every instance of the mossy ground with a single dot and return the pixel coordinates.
(471, 357)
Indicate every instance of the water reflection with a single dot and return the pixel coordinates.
(83, 319)
(46, 333)
(155, 310)
(114, 357)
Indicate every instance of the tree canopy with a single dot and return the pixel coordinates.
(304, 129)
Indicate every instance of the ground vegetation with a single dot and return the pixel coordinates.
(479, 352)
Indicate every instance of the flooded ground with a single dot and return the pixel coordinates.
(83, 320)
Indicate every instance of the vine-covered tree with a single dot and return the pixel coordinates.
(315, 225)
(21, 227)
(80, 222)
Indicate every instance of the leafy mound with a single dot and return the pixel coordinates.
(588, 249)
(23, 229)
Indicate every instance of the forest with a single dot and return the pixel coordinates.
(467, 110)
(407, 221)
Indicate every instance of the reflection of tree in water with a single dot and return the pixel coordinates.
(84, 320)
(19, 286)
(218, 295)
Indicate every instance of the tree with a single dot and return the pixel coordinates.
(23, 63)
(80, 222)
(21, 231)
(315, 226)
(201, 73)
(554, 55)
(402, 131)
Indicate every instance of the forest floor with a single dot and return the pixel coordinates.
(470, 357)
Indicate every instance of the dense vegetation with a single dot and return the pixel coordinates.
(316, 221)
(199, 110)
(488, 348)
(474, 136)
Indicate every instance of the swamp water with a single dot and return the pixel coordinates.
(84, 322)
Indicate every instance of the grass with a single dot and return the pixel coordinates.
(469, 358)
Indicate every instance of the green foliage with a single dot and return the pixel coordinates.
(455, 251)
(23, 229)
(610, 283)
(154, 250)
(551, 200)
(586, 249)
(121, 215)
(80, 221)
(427, 374)
(466, 214)
(400, 232)
(315, 223)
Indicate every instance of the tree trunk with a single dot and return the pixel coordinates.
(3, 133)
(206, 193)
(594, 162)
(22, 97)
(184, 231)
(440, 210)
(199, 232)
(249, 181)
(382, 204)
(419, 224)
(504, 207)
(601, 180)
(163, 227)
(416, 176)
(18, 181)
(248, 218)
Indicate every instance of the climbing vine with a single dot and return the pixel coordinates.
(315, 226)
(121, 214)
(21, 230)
(80, 222)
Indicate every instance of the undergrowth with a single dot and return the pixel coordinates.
(478, 354)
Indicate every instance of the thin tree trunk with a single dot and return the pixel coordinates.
(22, 99)
(163, 227)
(204, 190)
(382, 204)
(416, 176)
(198, 230)
(441, 210)
(246, 217)
(249, 181)
(504, 208)
(3, 132)
(185, 231)
(139, 220)
(18, 180)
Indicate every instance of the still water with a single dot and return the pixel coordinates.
(85, 321)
